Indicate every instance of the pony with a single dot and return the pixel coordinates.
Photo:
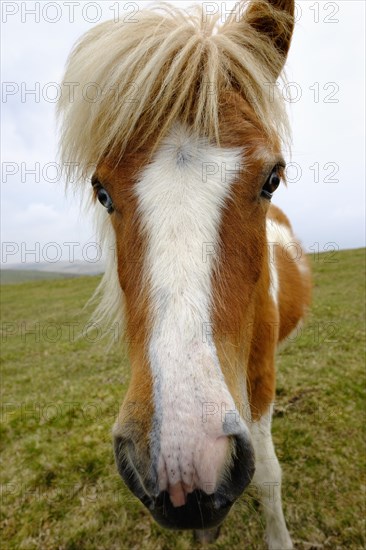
(175, 125)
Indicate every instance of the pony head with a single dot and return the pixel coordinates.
(175, 126)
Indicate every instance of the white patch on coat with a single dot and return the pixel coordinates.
(272, 236)
(304, 266)
(181, 195)
(280, 235)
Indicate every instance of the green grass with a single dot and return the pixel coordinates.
(60, 489)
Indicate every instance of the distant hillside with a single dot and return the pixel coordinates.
(20, 273)
(13, 276)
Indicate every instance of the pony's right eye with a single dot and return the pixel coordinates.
(105, 199)
(102, 195)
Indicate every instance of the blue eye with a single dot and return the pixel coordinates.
(102, 195)
(271, 184)
(105, 199)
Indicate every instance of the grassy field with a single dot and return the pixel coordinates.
(60, 489)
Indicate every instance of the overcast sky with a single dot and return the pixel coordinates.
(326, 192)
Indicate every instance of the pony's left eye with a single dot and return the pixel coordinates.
(271, 184)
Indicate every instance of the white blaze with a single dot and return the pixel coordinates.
(181, 195)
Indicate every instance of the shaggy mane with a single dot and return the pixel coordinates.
(129, 82)
(135, 79)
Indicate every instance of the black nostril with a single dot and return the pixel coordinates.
(240, 473)
(127, 466)
(122, 450)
